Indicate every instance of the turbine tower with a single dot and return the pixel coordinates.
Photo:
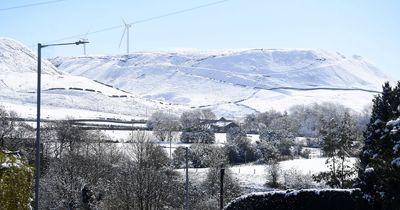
(126, 29)
(84, 39)
(84, 45)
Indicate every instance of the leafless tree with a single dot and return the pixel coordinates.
(163, 125)
(145, 180)
(77, 160)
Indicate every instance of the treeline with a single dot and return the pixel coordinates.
(305, 120)
(80, 169)
(277, 134)
(298, 121)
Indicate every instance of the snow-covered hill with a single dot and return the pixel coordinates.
(62, 94)
(235, 82)
(15, 57)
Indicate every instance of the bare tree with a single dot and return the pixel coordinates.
(7, 126)
(13, 134)
(145, 180)
(77, 160)
(163, 125)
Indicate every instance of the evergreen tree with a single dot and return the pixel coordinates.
(337, 143)
(329, 136)
(275, 145)
(379, 174)
(346, 144)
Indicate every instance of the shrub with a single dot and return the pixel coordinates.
(294, 179)
(327, 199)
(305, 153)
(212, 184)
(204, 155)
(240, 150)
(201, 136)
(178, 157)
(273, 174)
(15, 182)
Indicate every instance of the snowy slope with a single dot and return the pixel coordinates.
(235, 82)
(62, 94)
(15, 57)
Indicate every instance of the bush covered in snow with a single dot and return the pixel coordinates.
(212, 183)
(295, 179)
(238, 147)
(205, 155)
(273, 174)
(311, 199)
(199, 155)
(15, 182)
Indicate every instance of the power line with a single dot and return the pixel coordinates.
(30, 5)
(141, 21)
(179, 12)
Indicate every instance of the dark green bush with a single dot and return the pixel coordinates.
(327, 199)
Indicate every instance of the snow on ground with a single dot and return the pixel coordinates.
(253, 137)
(124, 135)
(54, 113)
(283, 100)
(253, 177)
(220, 138)
(64, 94)
(234, 83)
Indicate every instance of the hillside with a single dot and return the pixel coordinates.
(235, 82)
(62, 94)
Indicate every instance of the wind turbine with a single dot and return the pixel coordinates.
(84, 39)
(126, 29)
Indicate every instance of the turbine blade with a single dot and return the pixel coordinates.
(122, 37)
(86, 34)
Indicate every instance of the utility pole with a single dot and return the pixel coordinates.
(187, 181)
(84, 49)
(37, 142)
(221, 194)
(170, 146)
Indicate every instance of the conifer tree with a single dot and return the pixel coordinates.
(379, 173)
(337, 142)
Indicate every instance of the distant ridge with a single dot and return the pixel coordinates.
(235, 81)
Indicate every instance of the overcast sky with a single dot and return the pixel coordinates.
(368, 28)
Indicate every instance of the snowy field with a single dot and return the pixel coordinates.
(253, 177)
